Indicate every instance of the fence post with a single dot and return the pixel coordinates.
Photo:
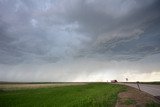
(138, 85)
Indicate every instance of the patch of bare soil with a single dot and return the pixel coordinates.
(133, 98)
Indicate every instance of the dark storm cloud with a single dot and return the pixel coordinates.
(118, 30)
(51, 31)
(133, 35)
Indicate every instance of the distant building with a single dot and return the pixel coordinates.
(114, 81)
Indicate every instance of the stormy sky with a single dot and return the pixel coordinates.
(79, 40)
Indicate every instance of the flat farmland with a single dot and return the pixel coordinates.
(60, 95)
(18, 86)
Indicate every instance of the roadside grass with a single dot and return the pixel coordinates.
(129, 101)
(90, 95)
(152, 104)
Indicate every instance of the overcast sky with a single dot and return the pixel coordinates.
(79, 40)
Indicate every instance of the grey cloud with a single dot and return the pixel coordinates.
(51, 31)
(98, 21)
(109, 31)
(79, 40)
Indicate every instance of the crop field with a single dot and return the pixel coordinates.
(83, 95)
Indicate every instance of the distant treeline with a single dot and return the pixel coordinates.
(154, 82)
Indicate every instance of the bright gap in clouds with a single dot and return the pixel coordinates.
(79, 40)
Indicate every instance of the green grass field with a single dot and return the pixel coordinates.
(90, 95)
